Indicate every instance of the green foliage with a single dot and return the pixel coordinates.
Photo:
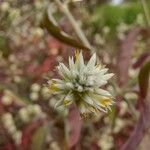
(38, 138)
(110, 15)
(4, 46)
(2, 42)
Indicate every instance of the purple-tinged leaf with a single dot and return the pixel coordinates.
(125, 53)
(75, 126)
(141, 60)
(143, 123)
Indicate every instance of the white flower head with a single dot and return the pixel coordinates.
(81, 84)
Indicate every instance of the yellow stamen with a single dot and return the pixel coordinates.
(52, 87)
(98, 66)
(106, 102)
(66, 102)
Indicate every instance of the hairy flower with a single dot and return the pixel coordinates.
(80, 84)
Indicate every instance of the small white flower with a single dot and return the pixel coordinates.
(80, 84)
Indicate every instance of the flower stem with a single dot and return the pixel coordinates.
(146, 12)
(64, 8)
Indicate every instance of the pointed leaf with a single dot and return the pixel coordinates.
(75, 126)
(60, 35)
(38, 138)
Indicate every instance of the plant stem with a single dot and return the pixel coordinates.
(146, 12)
(63, 7)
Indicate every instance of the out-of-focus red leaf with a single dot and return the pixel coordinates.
(75, 126)
(30, 69)
(6, 141)
(140, 129)
(94, 145)
(27, 134)
(141, 60)
(8, 147)
(47, 65)
(125, 52)
(53, 43)
(144, 120)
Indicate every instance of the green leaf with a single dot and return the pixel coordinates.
(144, 79)
(112, 15)
(112, 115)
(4, 47)
(38, 138)
(55, 31)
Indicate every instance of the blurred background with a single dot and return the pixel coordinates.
(35, 35)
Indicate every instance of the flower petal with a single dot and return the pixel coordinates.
(92, 61)
(68, 100)
(71, 62)
(107, 76)
(88, 100)
(59, 103)
(102, 92)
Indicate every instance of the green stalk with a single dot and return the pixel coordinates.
(146, 11)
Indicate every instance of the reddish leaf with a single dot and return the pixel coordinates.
(125, 52)
(46, 66)
(75, 126)
(139, 131)
(141, 60)
(8, 147)
(53, 43)
(144, 120)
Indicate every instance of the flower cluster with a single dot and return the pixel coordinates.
(81, 84)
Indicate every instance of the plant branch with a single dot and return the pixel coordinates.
(63, 7)
(146, 11)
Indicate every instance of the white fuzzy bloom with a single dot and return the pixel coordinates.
(81, 83)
